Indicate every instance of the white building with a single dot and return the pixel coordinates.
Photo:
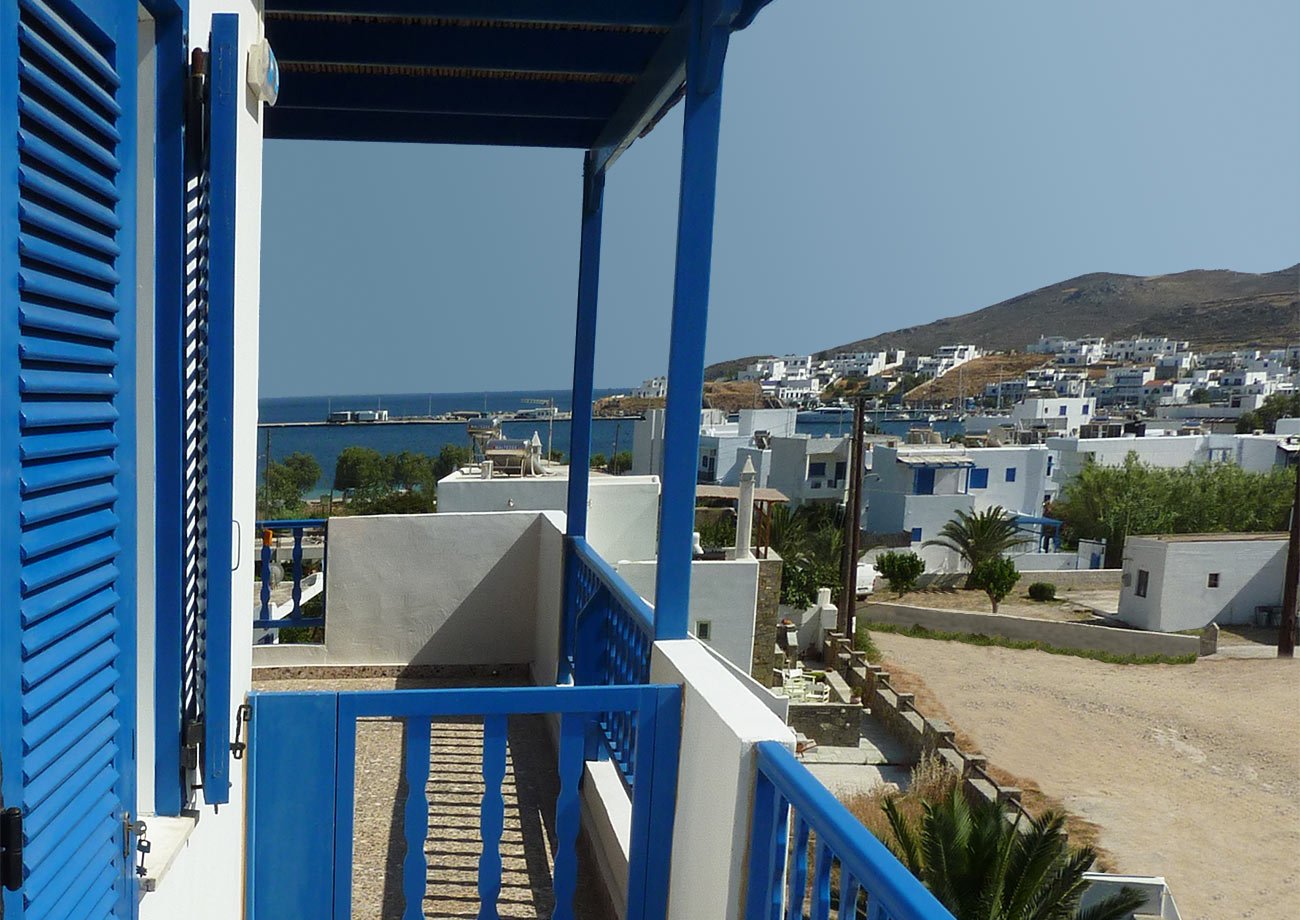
(1059, 413)
(1256, 453)
(724, 445)
(1185, 581)
(916, 489)
(653, 388)
(1143, 349)
(806, 469)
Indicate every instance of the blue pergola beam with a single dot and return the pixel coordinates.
(709, 33)
(398, 44)
(392, 92)
(584, 12)
(405, 127)
(654, 89)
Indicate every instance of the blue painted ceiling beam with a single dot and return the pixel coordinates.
(586, 12)
(403, 127)
(394, 92)
(654, 91)
(396, 43)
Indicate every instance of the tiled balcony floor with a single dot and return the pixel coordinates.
(455, 790)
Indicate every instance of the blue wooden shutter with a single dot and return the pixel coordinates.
(67, 432)
(225, 98)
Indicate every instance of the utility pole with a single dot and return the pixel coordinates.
(852, 524)
(1286, 635)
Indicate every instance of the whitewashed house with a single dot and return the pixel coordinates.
(1186, 581)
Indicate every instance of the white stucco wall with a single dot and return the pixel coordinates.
(204, 879)
(723, 592)
(622, 511)
(721, 723)
(1178, 597)
(442, 589)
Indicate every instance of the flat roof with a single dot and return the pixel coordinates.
(936, 458)
(733, 493)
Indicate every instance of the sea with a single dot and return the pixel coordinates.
(325, 442)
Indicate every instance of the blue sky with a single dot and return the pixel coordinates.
(882, 164)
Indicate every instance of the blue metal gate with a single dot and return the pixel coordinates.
(67, 455)
(302, 785)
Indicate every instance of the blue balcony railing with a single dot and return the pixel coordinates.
(303, 589)
(793, 813)
(612, 630)
(301, 854)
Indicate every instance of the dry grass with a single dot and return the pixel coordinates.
(931, 781)
(970, 378)
(1080, 831)
(728, 395)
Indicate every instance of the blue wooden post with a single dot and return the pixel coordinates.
(584, 356)
(708, 47)
(584, 348)
(265, 611)
(297, 572)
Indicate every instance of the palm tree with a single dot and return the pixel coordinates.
(980, 535)
(981, 866)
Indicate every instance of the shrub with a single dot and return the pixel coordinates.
(996, 577)
(901, 570)
(1042, 591)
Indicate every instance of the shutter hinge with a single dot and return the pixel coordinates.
(191, 738)
(242, 716)
(196, 100)
(11, 849)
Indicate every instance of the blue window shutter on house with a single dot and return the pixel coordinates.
(923, 483)
(67, 450)
(916, 534)
(979, 478)
(1011, 474)
(225, 100)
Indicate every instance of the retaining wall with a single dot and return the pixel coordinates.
(1079, 636)
(897, 713)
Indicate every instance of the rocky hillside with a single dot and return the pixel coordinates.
(1208, 308)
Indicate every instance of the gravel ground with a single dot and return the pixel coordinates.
(1192, 771)
(1069, 606)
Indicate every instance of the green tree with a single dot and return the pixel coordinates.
(359, 468)
(1110, 502)
(451, 458)
(901, 570)
(1199, 396)
(280, 493)
(303, 469)
(996, 577)
(598, 461)
(809, 541)
(979, 535)
(1279, 405)
(982, 867)
(408, 469)
(621, 462)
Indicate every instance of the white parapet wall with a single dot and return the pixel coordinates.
(724, 594)
(438, 589)
(622, 511)
(721, 722)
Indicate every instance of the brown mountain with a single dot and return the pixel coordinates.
(1208, 308)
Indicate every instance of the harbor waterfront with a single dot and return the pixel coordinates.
(325, 441)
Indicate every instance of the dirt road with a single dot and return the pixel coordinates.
(1192, 771)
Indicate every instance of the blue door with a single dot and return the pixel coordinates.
(923, 484)
(67, 435)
